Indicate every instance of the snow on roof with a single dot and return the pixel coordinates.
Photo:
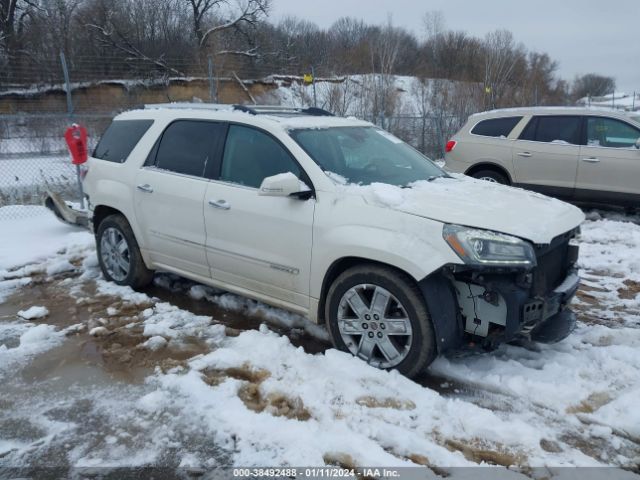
(317, 122)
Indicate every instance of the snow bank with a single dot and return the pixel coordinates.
(35, 236)
(350, 410)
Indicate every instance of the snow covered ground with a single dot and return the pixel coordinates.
(617, 100)
(181, 375)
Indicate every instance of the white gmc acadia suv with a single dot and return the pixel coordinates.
(337, 220)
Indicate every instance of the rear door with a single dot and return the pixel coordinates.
(545, 156)
(609, 167)
(170, 191)
(259, 244)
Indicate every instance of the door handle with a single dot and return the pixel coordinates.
(524, 154)
(591, 159)
(221, 204)
(146, 188)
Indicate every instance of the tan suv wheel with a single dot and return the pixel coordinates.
(491, 176)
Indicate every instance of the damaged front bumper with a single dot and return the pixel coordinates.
(496, 310)
(483, 306)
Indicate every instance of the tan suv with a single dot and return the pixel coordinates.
(578, 154)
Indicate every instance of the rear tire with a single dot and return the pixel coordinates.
(379, 315)
(491, 176)
(119, 255)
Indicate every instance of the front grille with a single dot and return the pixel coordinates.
(553, 266)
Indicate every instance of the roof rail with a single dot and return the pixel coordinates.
(188, 105)
(252, 109)
(279, 110)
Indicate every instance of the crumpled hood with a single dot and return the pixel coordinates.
(475, 203)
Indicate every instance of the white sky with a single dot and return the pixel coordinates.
(583, 36)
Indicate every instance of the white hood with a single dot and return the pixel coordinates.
(475, 203)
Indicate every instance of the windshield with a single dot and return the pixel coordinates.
(365, 155)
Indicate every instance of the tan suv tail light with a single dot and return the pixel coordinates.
(451, 144)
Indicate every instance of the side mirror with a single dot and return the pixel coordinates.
(638, 144)
(282, 185)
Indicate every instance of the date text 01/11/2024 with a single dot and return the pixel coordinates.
(315, 472)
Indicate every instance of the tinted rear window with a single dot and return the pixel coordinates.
(186, 146)
(120, 138)
(496, 127)
(556, 128)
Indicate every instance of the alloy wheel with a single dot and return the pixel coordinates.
(374, 325)
(114, 252)
(489, 179)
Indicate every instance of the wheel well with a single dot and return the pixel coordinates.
(101, 212)
(489, 166)
(336, 269)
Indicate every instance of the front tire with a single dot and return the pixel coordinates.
(119, 255)
(379, 315)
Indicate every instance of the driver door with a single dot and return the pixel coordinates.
(261, 245)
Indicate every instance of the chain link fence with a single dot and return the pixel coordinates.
(34, 158)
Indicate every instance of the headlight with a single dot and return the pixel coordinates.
(484, 247)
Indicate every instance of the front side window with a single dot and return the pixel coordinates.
(120, 139)
(561, 129)
(250, 156)
(496, 127)
(608, 132)
(365, 155)
(186, 147)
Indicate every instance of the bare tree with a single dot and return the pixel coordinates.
(501, 56)
(434, 23)
(593, 85)
(228, 15)
(384, 51)
(13, 13)
(338, 96)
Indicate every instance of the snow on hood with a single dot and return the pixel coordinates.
(475, 203)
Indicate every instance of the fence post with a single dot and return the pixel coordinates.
(313, 84)
(383, 101)
(65, 72)
(213, 94)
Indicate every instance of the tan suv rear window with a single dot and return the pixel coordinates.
(496, 127)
